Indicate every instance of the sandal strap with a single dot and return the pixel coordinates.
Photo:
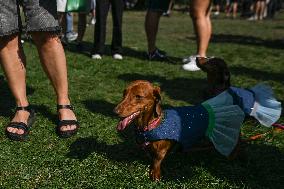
(19, 125)
(24, 108)
(70, 107)
(68, 122)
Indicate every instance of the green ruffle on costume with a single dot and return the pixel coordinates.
(225, 120)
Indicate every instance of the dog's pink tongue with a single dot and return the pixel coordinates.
(122, 124)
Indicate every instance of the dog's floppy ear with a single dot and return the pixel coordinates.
(157, 95)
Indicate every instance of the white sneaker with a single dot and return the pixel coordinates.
(71, 36)
(93, 21)
(117, 56)
(96, 56)
(252, 18)
(216, 13)
(191, 65)
(189, 58)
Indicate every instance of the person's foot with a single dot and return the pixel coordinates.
(117, 56)
(167, 14)
(216, 13)
(71, 36)
(187, 59)
(93, 21)
(67, 114)
(20, 116)
(191, 63)
(252, 18)
(96, 56)
(157, 55)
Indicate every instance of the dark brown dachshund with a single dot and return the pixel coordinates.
(218, 75)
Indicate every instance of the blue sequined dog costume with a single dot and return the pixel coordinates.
(218, 118)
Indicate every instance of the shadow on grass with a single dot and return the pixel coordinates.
(100, 106)
(7, 102)
(127, 151)
(245, 40)
(256, 74)
(127, 52)
(45, 111)
(279, 27)
(259, 166)
(188, 90)
(262, 167)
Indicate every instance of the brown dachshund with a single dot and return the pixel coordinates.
(141, 105)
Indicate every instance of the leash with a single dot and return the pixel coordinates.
(277, 126)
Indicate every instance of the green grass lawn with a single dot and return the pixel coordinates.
(99, 157)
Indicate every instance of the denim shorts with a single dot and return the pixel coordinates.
(158, 5)
(40, 15)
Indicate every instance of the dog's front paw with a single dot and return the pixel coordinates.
(155, 175)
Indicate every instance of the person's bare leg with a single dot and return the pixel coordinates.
(218, 8)
(170, 7)
(262, 9)
(13, 63)
(151, 27)
(257, 9)
(235, 9)
(228, 9)
(200, 14)
(94, 13)
(53, 59)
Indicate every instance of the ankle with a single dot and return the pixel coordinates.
(63, 101)
(152, 50)
(22, 103)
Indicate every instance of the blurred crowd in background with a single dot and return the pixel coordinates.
(97, 11)
(251, 9)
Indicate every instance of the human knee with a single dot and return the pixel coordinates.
(197, 15)
(7, 41)
(45, 37)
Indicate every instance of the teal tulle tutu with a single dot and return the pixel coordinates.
(225, 120)
(266, 109)
(228, 109)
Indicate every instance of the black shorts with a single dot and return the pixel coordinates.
(158, 5)
(216, 2)
(40, 15)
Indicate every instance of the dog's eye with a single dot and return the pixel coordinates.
(138, 97)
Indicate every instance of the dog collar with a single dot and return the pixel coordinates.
(153, 124)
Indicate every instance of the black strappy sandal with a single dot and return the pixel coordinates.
(21, 125)
(61, 123)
